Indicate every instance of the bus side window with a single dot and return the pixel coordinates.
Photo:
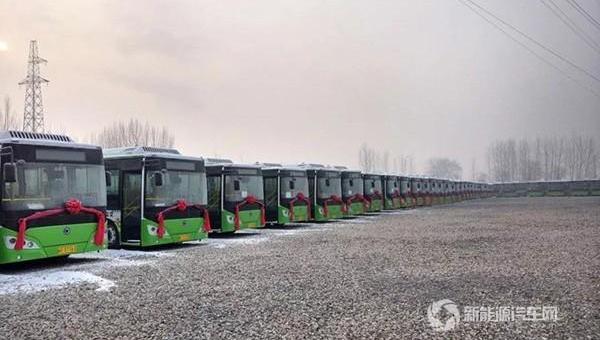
(236, 185)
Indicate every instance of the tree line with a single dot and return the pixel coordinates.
(372, 160)
(550, 158)
(118, 134)
(133, 133)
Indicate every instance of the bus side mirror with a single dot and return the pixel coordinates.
(10, 172)
(108, 178)
(158, 179)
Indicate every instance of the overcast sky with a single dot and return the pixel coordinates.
(289, 81)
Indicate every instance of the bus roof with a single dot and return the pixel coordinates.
(232, 165)
(312, 166)
(35, 138)
(216, 161)
(145, 151)
(270, 166)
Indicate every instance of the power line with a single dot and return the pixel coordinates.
(583, 12)
(559, 13)
(532, 51)
(549, 50)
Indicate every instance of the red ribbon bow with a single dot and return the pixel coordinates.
(250, 199)
(72, 207)
(334, 199)
(181, 205)
(299, 197)
(358, 197)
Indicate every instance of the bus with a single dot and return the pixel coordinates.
(435, 191)
(417, 191)
(325, 191)
(393, 198)
(287, 199)
(405, 193)
(53, 197)
(352, 193)
(426, 190)
(235, 195)
(373, 191)
(156, 196)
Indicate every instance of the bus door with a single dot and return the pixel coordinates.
(131, 219)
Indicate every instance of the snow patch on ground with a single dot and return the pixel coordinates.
(403, 212)
(359, 220)
(85, 269)
(124, 258)
(40, 281)
(221, 243)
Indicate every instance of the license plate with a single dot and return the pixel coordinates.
(67, 249)
(251, 225)
(185, 237)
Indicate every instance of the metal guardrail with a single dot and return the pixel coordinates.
(548, 188)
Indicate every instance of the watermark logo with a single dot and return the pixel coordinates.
(444, 315)
(436, 312)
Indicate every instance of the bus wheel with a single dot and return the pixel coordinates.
(113, 236)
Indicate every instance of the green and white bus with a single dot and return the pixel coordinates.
(352, 193)
(53, 197)
(325, 191)
(235, 195)
(406, 199)
(416, 191)
(435, 190)
(373, 191)
(393, 198)
(155, 197)
(287, 198)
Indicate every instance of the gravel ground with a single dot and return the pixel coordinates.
(372, 277)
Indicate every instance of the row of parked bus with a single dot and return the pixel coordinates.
(60, 197)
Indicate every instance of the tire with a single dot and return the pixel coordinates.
(114, 239)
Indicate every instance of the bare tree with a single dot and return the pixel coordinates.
(8, 121)
(444, 168)
(366, 158)
(133, 133)
(550, 158)
(385, 161)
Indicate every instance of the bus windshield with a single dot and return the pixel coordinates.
(352, 186)
(187, 185)
(292, 186)
(372, 186)
(329, 186)
(42, 186)
(238, 187)
(392, 186)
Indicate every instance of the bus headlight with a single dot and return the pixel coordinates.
(11, 241)
(229, 219)
(321, 211)
(285, 212)
(153, 230)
